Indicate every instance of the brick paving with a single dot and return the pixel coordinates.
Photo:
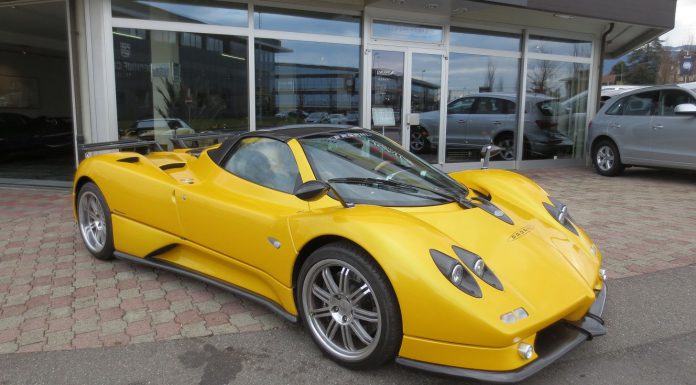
(55, 296)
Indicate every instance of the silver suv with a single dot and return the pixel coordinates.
(479, 119)
(652, 127)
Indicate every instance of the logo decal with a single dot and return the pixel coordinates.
(521, 232)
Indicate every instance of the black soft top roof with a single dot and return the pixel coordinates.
(285, 134)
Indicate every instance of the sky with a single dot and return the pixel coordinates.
(684, 24)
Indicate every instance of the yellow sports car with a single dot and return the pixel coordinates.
(380, 255)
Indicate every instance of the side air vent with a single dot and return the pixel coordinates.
(130, 159)
(170, 166)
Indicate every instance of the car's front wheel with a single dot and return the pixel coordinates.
(94, 221)
(349, 307)
(606, 158)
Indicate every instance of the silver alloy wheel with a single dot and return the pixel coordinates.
(344, 316)
(605, 158)
(508, 148)
(92, 221)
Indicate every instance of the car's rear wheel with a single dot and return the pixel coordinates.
(419, 142)
(606, 158)
(94, 221)
(349, 307)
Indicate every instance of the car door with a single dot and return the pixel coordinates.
(458, 112)
(631, 127)
(240, 209)
(674, 136)
(487, 119)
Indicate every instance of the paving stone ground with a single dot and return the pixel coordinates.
(55, 296)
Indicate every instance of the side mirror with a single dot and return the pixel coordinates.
(685, 109)
(312, 190)
(488, 151)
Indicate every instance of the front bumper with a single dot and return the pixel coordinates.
(551, 344)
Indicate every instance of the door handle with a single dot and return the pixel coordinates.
(615, 125)
(497, 123)
(461, 121)
(658, 127)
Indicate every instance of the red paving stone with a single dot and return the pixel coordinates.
(55, 296)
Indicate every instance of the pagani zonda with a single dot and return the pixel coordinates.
(475, 274)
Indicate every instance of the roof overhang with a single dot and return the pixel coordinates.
(635, 21)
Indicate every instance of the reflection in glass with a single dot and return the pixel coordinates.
(306, 82)
(179, 83)
(185, 11)
(36, 122)
(279, 19)
(426, 72)
(387, 91)
(407, 32)
(559, 111)
(541, 44)
(484, 39)
(482, 106)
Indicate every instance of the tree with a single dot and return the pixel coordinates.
(643, 64)
(619, 69)
(541, 75)
(490, 75)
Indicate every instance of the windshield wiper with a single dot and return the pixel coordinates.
(394, 186)
(410, 189)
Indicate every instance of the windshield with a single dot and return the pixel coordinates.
(365, 167)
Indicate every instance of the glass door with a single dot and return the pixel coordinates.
(387, 103)
(405, 98)
(426, 81)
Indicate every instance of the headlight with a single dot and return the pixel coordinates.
(559, 211)
(476, 264)
(456, 273)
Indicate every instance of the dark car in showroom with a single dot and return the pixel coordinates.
(20, 133)
(651, 127)
(483, 118)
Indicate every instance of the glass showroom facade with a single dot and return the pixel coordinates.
(441, 90)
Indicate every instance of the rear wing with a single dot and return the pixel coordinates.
(196, 139)
(134, 144)
(178, 142)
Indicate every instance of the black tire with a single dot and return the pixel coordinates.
(606, 158)
(94, 222)
(507, 143)
(419, 143)
(318, 314)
